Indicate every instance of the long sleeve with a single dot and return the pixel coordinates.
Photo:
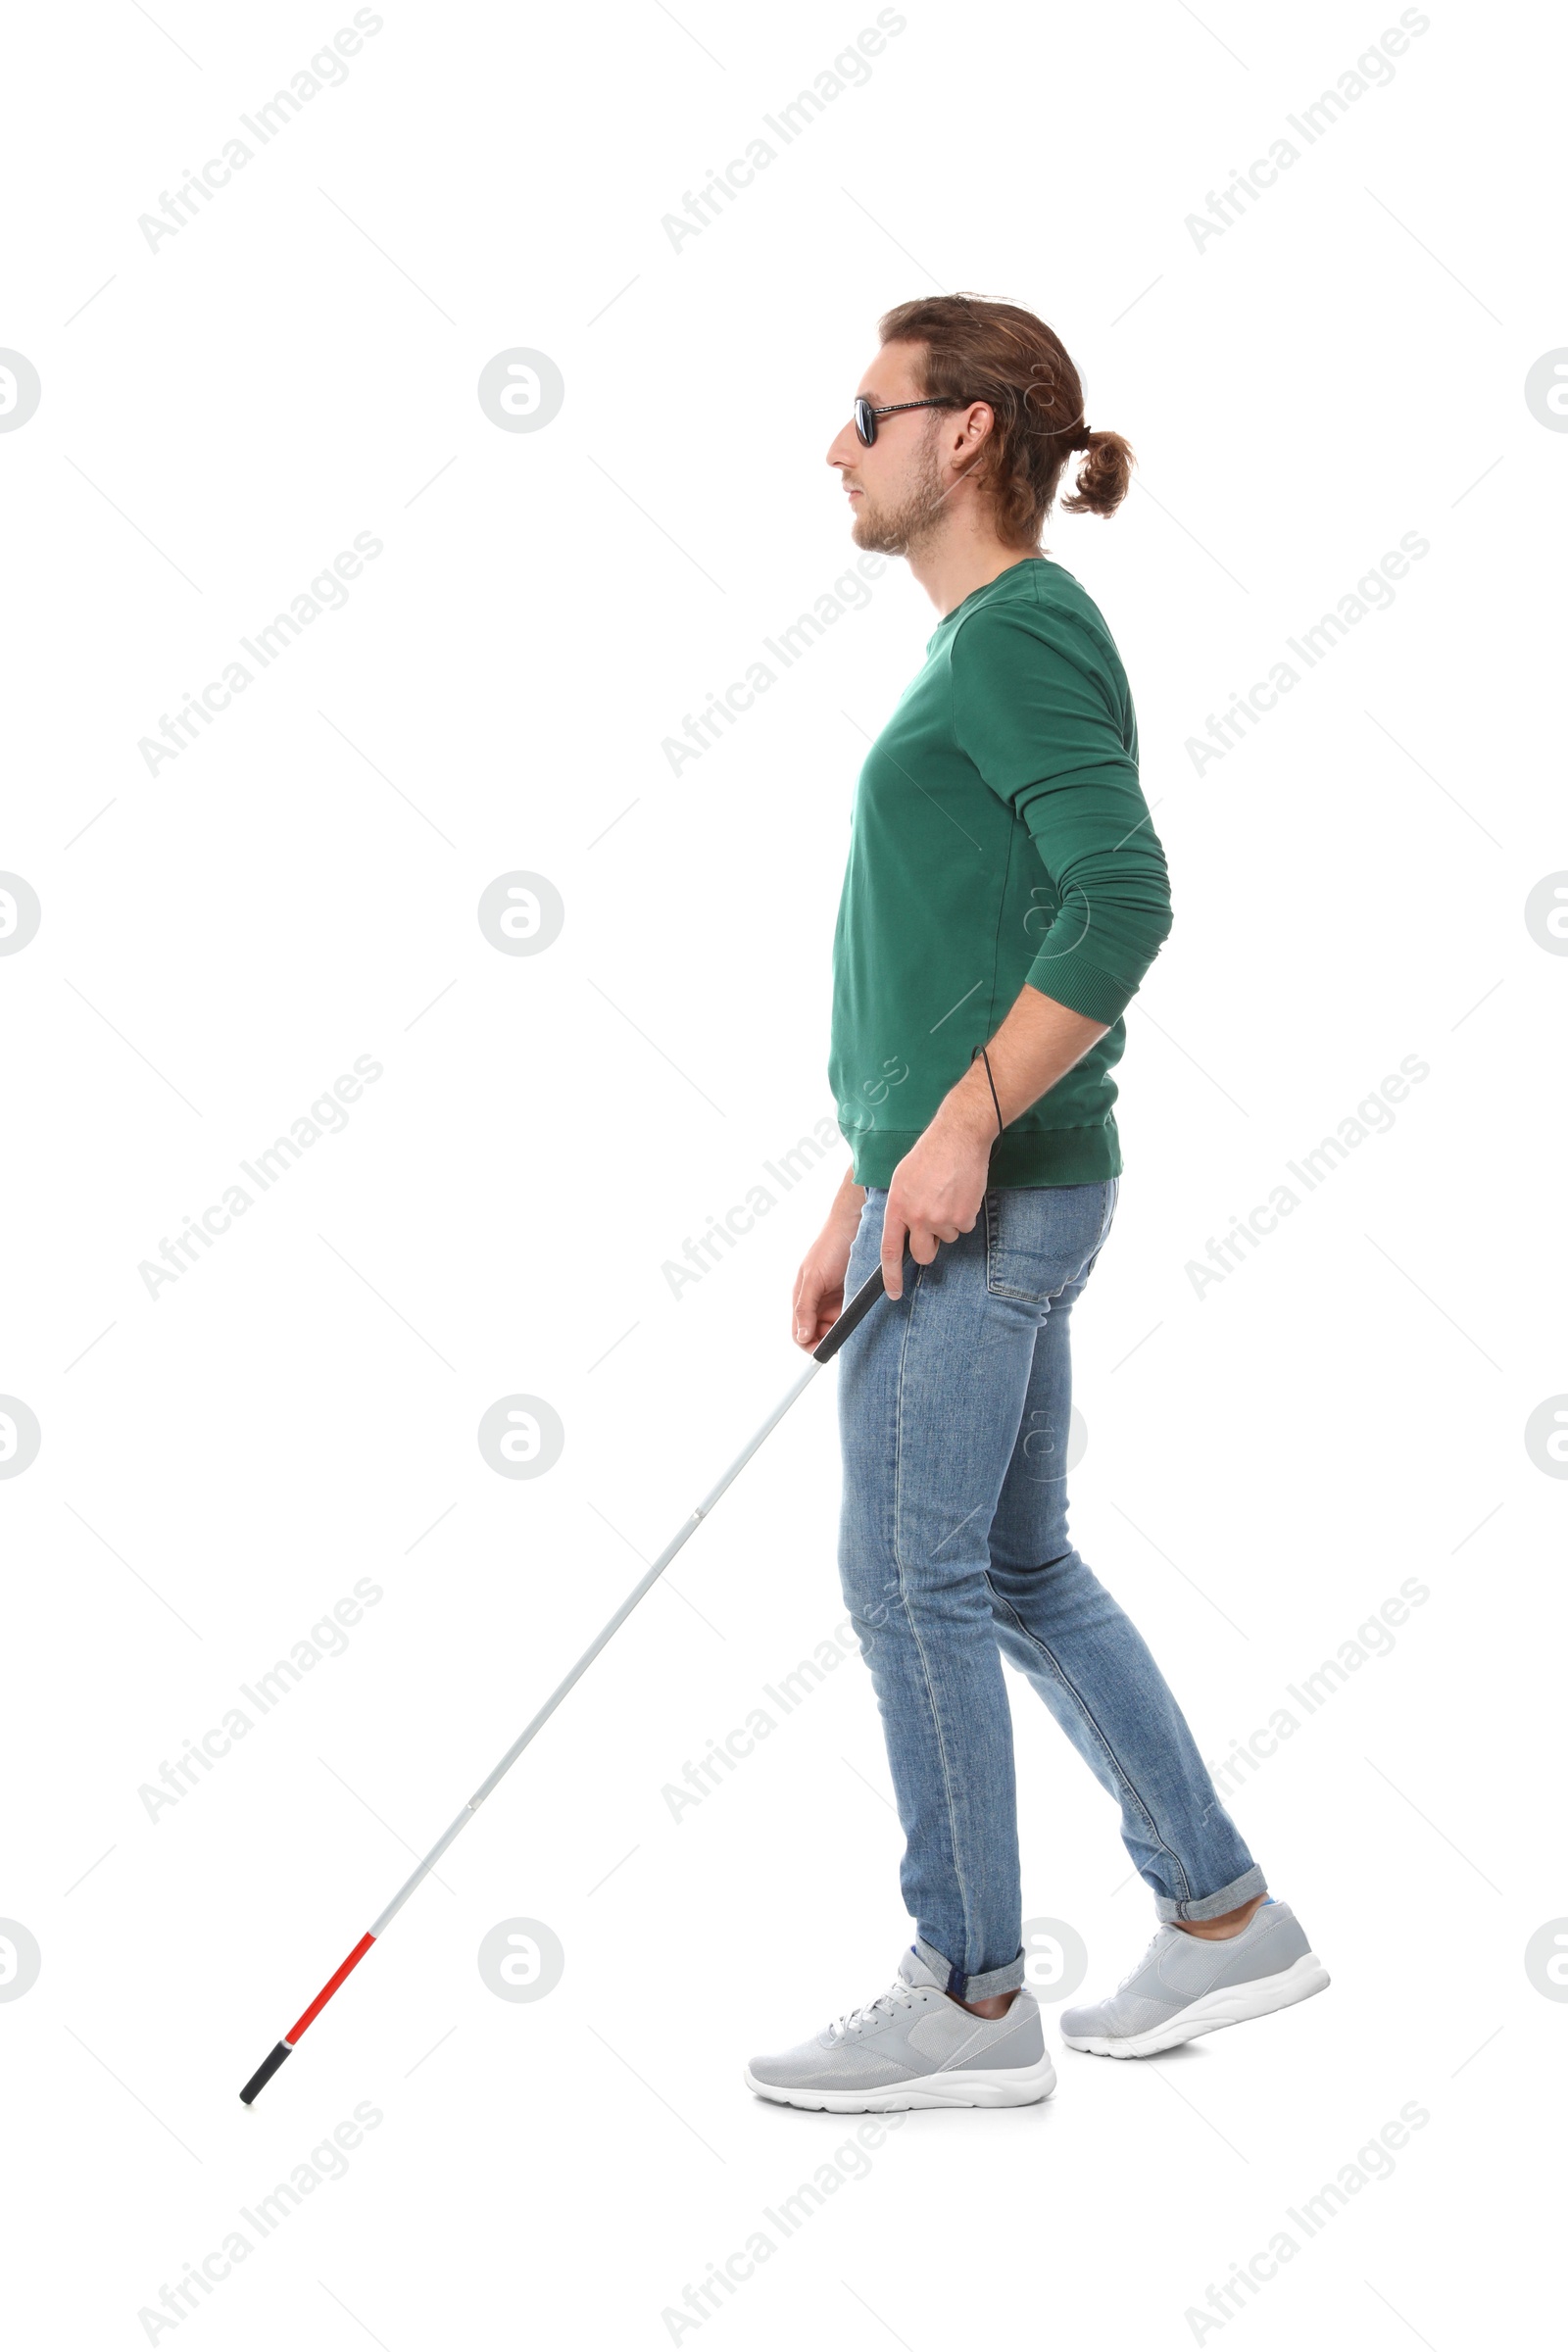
(1050, 727)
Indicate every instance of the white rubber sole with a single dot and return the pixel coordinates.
(1231, 2005)
(977, 2086)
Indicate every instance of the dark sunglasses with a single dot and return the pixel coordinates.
(865, 415)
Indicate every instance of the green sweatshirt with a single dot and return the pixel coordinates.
(998, 835)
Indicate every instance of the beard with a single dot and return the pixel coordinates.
(898, 530)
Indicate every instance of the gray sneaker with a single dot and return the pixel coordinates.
(1185, 1986)
(913, 2047)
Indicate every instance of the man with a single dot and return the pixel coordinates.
(1004, 895)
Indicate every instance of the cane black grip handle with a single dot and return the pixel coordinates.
(859, 1307)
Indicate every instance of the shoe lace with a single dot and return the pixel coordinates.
(886, 2004)
(1137, 1966)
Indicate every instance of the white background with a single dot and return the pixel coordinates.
(1265, 1463)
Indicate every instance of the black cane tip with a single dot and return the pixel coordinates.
(265, 2072)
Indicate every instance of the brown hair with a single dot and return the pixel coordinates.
(1007, 357)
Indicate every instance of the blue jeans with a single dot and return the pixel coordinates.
(953, 1406)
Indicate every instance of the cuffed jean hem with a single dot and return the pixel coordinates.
(1213, 1906)
(970, 1989)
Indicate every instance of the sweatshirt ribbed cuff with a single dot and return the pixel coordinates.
(1081, 987)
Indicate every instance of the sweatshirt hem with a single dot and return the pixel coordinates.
(1033, 1156)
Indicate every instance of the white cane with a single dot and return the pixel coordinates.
(859, 1307)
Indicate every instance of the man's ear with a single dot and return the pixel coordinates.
(976, 428)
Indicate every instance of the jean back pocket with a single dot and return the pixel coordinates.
(1040, 1237)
